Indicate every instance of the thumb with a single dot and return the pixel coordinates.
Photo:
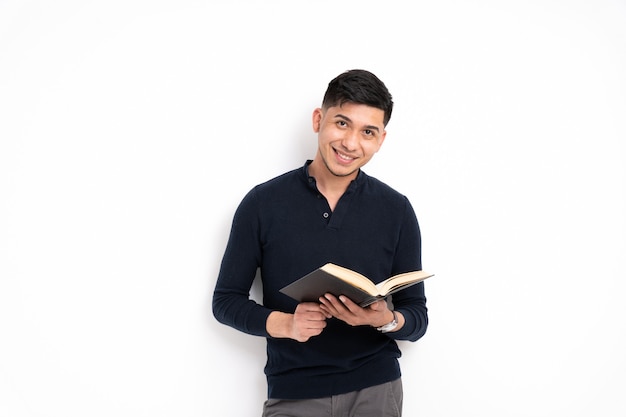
(378, 305)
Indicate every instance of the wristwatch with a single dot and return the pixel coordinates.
(391, 325)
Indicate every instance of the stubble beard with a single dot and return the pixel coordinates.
(334, 173)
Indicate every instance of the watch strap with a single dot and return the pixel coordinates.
(391, 325)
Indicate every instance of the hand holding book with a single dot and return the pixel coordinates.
(337, 280)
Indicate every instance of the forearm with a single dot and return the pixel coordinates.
(279, 324)
(412, 322)
(239, 312)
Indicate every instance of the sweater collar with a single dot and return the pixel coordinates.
(359, 180)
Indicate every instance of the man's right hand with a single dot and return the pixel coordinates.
(307, 321)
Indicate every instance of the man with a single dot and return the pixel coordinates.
(330, 357)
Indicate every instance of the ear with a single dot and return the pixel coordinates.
(317, 119)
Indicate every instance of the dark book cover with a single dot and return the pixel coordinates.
(319, 282)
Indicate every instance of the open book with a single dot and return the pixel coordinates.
(338, 280)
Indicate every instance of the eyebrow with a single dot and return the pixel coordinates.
(347, 119)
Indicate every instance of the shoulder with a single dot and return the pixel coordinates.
(285, 186)
(288, 178)
(277, 188)
(386, 198)
(380, 189)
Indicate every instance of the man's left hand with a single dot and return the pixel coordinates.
(376, 314)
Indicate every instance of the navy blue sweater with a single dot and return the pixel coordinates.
(285, 227)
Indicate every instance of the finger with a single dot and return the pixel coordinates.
(327, 308)
(317, 315)
(326, 311)
(334, 305)
(378, 305)
(304, 307)
(350, 305)
(314, 324)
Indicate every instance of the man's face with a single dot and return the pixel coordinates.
(348, 136)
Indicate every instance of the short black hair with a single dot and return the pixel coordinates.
(360, 87)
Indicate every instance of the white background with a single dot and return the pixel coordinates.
(130, 130)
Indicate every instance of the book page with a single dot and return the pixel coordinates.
(393, 283)
(352, 277)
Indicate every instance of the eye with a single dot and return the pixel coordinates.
(369, 133)
(341, 123)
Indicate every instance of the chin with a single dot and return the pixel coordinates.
(342, 171)
(339, 170)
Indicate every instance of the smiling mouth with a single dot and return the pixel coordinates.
(343, 157)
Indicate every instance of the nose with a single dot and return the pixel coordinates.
(350, 140)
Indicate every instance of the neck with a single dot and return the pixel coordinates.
(330, 185)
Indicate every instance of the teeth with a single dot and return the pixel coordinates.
(342, 156)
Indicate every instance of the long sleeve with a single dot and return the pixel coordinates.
(231, 298)
(411, 302)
